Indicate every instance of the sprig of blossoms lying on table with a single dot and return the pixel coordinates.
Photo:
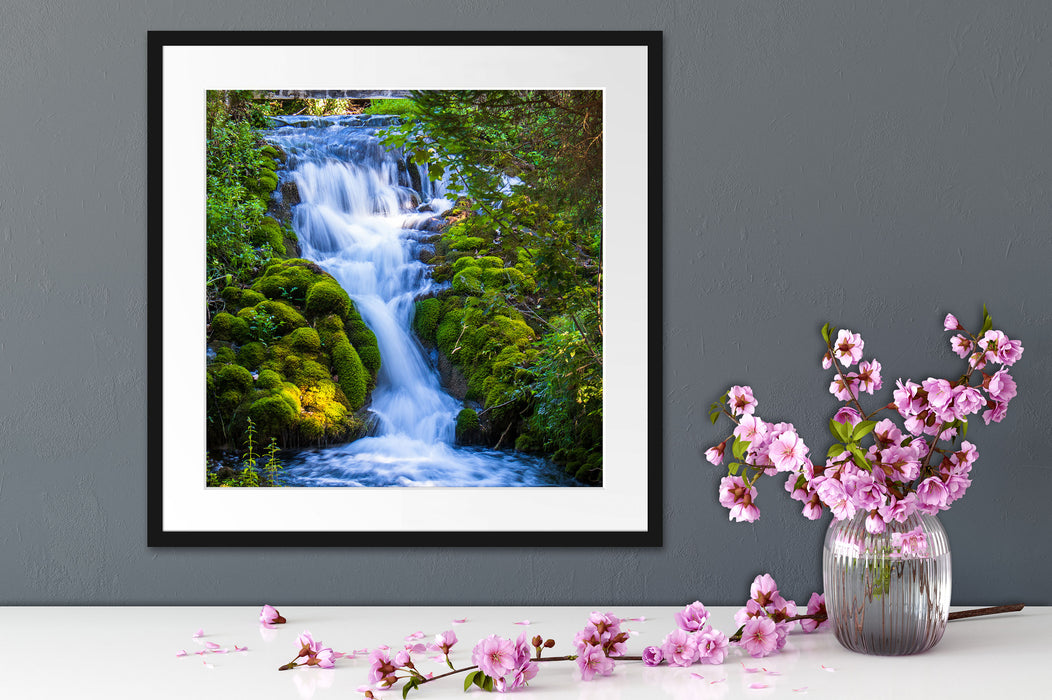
(884, 468)
(502, 664)
(314, 652)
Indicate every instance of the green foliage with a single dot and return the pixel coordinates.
(397, 107)
(233, 378)
(251, 355)
(232, 328)
(304, 340)
(467, 422)
(272, 414)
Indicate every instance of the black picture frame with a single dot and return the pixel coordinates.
(186, 63)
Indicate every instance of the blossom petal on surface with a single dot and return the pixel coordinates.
(636, 619)
(827, 668)
(211, 645)
(181, 652)
(802, 689)
(522, 622)
(460, 621)
(199, 633)
(237, 648)
(698, 676)
(414, 636)
(721, 680)
(758, 686)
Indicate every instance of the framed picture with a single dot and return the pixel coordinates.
(404, 288)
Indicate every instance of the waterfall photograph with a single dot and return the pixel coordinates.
(404, 288)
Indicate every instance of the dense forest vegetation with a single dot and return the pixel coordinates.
(290, 361)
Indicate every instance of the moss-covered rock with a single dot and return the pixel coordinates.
(269, 380)
(304, 339)
(327, 297)
(228, 327)
(278, 317)
(225, 355)
(468, 428)
(289, 280)
(468, 281)
(269, 232)
(233, 377)
(271, 414)
(426, 317)
(350, 371)
(309, 374)
(251, 355)
(370, 356)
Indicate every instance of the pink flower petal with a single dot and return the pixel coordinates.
(415, 635)
(429, 675)
(802, 689)
(750, 670)
(641, 618)
(181, 652)
(523, 622)
(715, 682)
(237, 648)
(384, 647)
(269, 626)
(758, 686)
(341, 655)
(199, 633)
(362, 652)
(698, 676)
(211, 645)
(363, 689)
(772, 673)
(460, 621)
(826, 668)
(208, 665)
(220, 651)
(200, 653)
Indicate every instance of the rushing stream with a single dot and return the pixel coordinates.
(361, 218)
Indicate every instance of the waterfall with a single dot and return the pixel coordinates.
(360, 218)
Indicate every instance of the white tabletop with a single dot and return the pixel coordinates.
(131, 652)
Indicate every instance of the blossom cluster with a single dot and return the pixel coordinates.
(694, 641)
(598, 644)
(384, 669)
(315, 653)
(767, 617)
(507, 663)
(902, 470)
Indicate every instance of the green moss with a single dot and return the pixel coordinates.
(464, 262)
(327, 297)
(285, 318)
(309, 374)
(273, 152)
(467, 421)
(370, 356)
(289, 280)
(269, 233)
(449, 330)
(304, 339)
(487, 262)
(328, 325)
(229, 400)
(468, 281)
(227, 327)
(500, 277)
(465, 242)
(350, 371)
(426, 318)
(233, 377)
(272, 414)
(251, 355)
(225, 355)
(513, 331)
(268, 379)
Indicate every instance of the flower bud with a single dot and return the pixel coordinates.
(548, 644)
(537, 641)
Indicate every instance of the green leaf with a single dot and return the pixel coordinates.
(740, 446)
(732, 468)
(825, 332)
(863, 429)
(842, 431)
(470, 680)
(410, 685)
(835, 451)
(988, 322)
(714, 416)
(964, 429)
(860, 457)
(487, 684)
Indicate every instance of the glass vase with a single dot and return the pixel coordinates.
(887, 593)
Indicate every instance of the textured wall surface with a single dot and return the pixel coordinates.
(870, 164)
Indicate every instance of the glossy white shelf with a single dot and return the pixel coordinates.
(130, 652)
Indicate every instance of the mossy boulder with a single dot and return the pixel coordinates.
(468, 281)
(280, 317)
(304, 339)
(225, 355)
(466, 243)
(271, 414)
(350, 371)
(469, 429)
(269, 233)
(370, 356)
(309, 373)
(251, 355)
(425, 321)
(233, 377)
(268, 380)
(327, 297)
(289, 280)
(228, 327)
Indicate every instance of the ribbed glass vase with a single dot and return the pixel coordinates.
(887, 594)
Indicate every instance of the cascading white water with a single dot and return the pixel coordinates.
(359, 219)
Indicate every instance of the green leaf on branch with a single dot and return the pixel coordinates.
(863, 429)
(825, 332)
(835, 451)
(714, 416)
(964, 429)
(469, 680)
(410, 685)
(860, 457)
(733, 468)
(740, 446)
(841, 431)
(988, 322)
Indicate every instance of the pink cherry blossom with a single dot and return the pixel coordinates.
(911, 543)
(692, 618)
(869, 376)
(763, 589)
(848, 416)
(816, 605)
(788, 451)
(445, 641)
(940, 391)
(908, 400)
(848, 347)
(715, 454)
(845, 388)
(680, 648)
(1001, 386)
(736, 495)
(712, 646)
(593, 662)
(996, 413)
(966, 401)
(951, 323)
(741, 401)
(269, 615)
(1009, 352)
(750, 428)
(760, 637)
(652, 656)
(993, 342)
(752, 609)
(835, 496)
(931, 495)
(961, 345)
(494, 656)
(382, 669)
(875, 523)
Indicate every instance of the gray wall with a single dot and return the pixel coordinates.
(870, 164)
